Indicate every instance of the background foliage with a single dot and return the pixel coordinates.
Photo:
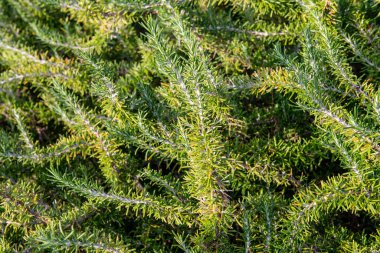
(189, 126)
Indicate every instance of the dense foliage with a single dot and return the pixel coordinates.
(189, 126)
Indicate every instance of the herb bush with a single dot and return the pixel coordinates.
(189, 126)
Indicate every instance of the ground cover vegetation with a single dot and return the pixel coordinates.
(189, 126)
